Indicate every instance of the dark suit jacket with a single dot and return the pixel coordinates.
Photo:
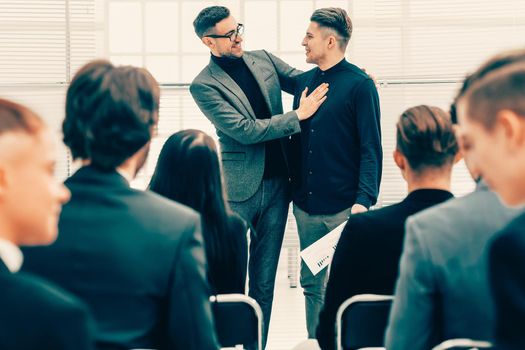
(136, 259)
(227, 271)
(507, 276)
(367, 256)
(36, 315)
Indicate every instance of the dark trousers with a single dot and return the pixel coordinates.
(267, 212)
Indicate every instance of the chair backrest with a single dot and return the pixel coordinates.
(362, 320)
(463, 344)
(238, 320)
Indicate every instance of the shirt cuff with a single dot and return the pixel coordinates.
(364, 200)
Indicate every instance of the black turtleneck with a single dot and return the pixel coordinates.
(236, 68)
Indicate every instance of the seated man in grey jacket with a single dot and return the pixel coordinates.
(443, 290)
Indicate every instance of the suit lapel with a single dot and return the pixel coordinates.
(259, 77)
(222, 77)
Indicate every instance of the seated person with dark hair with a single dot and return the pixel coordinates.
(134, 257)
(188, 171)
(33, 313)
(367, 255)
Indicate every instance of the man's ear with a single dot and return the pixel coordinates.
(207, 41)
(401, 162)
(332, 42)
(458, 156)
(513, 127)
(399, 159)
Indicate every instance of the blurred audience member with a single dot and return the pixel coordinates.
(492, 118)
(188, 171)
(443, 290)
(134, 257)
(34, 314)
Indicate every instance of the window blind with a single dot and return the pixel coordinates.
(42, 43)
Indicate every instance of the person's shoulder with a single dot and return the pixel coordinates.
(509, 243)
(35, 292)
(376, 224)
(260, 54)
(514, 231)
(380, 215)
(518, 222)
(161, 219)
(367, 221)
(457, 210)
(438, 219)
(202, 77)
(162, 207)
(304, 78)
(357, 74)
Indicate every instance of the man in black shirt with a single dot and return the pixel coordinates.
(240, 93)
(337, 158)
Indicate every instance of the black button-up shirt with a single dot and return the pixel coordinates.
(337, 158)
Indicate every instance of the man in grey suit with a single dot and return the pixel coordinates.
(443, 290)
(240, 93)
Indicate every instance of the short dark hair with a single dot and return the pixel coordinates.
(425, 136)
(15, 117)
(110, 113)
(497, 61)
(336, 19)
(503, 88)
(208, 18)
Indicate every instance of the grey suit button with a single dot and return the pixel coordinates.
(309, 193)
(310, 172)
(310, 151)
(312, 130)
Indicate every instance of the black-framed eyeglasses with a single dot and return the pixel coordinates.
(232, 35)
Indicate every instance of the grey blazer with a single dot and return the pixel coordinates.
(241, 134)
(442, 291)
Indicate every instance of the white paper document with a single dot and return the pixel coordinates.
(319, 254)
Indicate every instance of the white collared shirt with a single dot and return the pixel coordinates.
(11, 255)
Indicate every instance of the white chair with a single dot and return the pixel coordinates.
(238, 321)
(361, 321)
(463, 344)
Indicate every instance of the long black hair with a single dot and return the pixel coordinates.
(188, 171)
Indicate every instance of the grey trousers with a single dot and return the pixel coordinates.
(267, 212)
(311, 228)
